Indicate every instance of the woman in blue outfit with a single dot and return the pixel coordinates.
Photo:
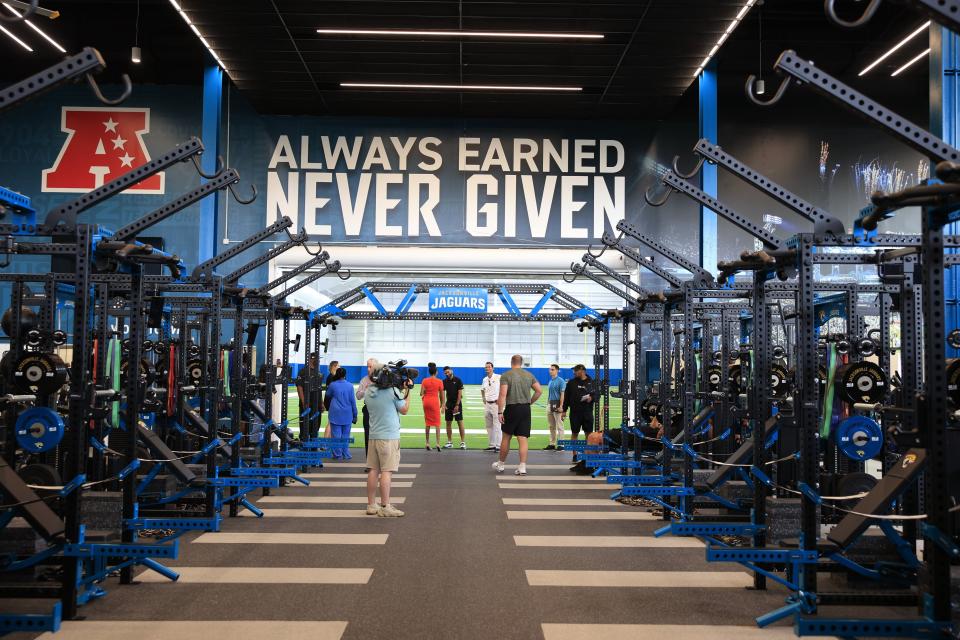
(342, 411)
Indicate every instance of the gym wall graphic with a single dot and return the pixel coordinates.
(454, 183)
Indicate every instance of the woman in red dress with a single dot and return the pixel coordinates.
(431, 392)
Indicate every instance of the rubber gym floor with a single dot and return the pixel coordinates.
(478, 555)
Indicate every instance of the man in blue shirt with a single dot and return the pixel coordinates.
(385, 407)
(341, 411)
(555, 391)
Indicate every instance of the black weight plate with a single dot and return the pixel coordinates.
(714, 376)
(861, 382)
(195, 371)
(779, 381)
(145, 371)
(28, 321)
(40, 475)
(953, 381)
(852, 484)
(735, 379)
(953, 339)
(40, 373)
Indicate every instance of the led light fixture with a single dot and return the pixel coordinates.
(135, 55)
(455, 87)
(913, 61)
(726, 34)
(190, 24)
(36, 28)
(16, 39)
(460, 34)
(896, 47)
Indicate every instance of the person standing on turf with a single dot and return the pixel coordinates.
(578, 399)
(431, 394)
(453, 389)
(490, 393)
(311, 398)
(383, 458)
(518, 390)
(372, 365)
(342, 411)
(555, 391)
(331, 376)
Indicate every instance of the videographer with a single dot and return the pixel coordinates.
(387, 397)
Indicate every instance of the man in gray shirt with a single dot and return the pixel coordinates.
(518, 390)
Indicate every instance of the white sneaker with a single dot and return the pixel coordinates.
(498, 466)
(463, 445)
(372, 510)
(390, 511)
(449, 445)
(521, 470)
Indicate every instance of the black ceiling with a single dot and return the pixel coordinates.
(639, 70)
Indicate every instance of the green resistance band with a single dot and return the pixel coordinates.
(829, 393)
(113, 365)
(226, 373)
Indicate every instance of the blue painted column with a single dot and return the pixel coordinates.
(707, 85)
(212, 110)
(945, 123)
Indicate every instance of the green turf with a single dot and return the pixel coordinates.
(472, 419)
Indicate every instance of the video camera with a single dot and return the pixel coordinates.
(394, 375)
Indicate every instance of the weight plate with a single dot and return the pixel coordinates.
(843, 347)
(40, 475)
(866, 347)
(145, 371)
(28, 321)
(953, 339)
(859, 438)
(59, 337)
(779, 381)
(39, 429)
(853, 484)
(195, 371)
(193, 350)
(42, 374)
(34, 337)
(650, 409)
(160, 347)
(861, 382)
(714, 376)
(779, 352)
(735, 379)
(953, 381)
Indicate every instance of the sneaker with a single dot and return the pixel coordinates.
(496, 448)
(449, 445)
(438, 448)
(549, 447)
(521, 470)
(389, 511)
(498, 466)
(373, 510)
(490, 448)
(559, 447)
(428, 447)
(463, 445)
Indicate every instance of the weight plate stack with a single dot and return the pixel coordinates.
(779, 380)
(861, 382)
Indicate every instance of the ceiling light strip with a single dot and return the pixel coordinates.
(910, 64)
(16, 39)
(460, 34)
(37, 29)
(896, 47)
(193, 28)
(456, 87)
(726, 34)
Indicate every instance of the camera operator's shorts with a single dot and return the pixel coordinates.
(449, 414)
(516, 420)
(384, 455)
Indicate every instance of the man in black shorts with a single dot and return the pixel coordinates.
(518, 390)
(578, 401)
(453, 390)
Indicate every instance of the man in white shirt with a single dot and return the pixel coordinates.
(490, 392)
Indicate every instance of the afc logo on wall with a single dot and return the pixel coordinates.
(102, 144)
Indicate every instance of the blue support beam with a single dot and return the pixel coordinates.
(374, 300)
(707, 85)
(945, 122)
(208, 235)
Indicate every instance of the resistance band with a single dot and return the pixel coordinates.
(828, 394)
(113, 366)
(225, 373)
